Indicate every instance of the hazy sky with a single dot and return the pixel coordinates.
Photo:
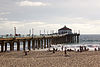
(83, 15)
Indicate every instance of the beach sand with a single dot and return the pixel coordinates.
(50, 59)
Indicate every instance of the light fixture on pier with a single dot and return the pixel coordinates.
(15, 31)
(32, 31)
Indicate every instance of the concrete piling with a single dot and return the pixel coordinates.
(33, 44)
(38, 43)
(47, 43)
(29, 45)
(41, 43)
(18, 45)
(5, 47)
(24, 44)
(11, 46)
(44, 42)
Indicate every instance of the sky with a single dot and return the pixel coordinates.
(49, 15)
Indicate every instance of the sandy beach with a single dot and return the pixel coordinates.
(49, 59)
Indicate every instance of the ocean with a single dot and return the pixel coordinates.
(89, 38)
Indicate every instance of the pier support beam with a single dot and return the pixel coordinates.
(11, 46)
(77, 39)
(41, 43)
(18, 45)
(24, 44)
(29, 48)
(69, 38)
(5, 47)
(33, 44)
(58, 40)
(36, 44)
(66, 39)
(61, 41)
(47, 43)
(52, 40)
(55, 41)
(72, 39)
(44, 42)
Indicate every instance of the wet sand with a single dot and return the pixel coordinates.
(49, 59)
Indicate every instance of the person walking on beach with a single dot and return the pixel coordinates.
(53, 50)
(26, 52)
(62, 48)
(65, 52)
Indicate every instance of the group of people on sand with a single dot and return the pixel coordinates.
(81, 49)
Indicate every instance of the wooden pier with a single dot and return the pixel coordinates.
(37, 42)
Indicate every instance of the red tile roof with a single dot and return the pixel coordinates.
(65, 28)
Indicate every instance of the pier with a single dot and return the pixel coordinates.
(38, 42)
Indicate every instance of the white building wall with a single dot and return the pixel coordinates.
(64, 31)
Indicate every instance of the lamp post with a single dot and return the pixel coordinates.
(32, 32)
(40, 32)
(44, 31)
(14, 31)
